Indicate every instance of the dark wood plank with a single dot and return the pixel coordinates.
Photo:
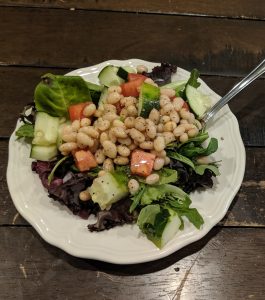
(235, 8)
(247, 208)
(56, 37)
(226, 264)
(17, 87)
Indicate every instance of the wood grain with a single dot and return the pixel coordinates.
(254, 9)
(17, 87)
(87, 37)
(224, 265)
(246, 209)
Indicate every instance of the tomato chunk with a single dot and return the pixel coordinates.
(76, 111)
(130, 88)
(134, 76)
(84, 160)
(142, 163)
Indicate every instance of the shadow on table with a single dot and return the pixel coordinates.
(132, 269)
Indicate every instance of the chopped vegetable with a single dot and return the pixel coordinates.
(142, 163)
(131, 88)
(109, 189)
(84, 160)
(25, 130)
(76, 111)
(55, 93)
(159, 224)
(148, 99)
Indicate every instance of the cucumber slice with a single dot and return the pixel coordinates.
(164, 227)
(107, 190)
(148, 99)
(103, 97)
(199, 103)
(108, 76)
(44, 153)
(124, 71)
(178, 86)
(45, 129)
(95, 91)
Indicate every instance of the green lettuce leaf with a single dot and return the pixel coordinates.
(55, 93)
(26, 130)
(200, 169)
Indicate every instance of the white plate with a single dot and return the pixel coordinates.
(125, 244)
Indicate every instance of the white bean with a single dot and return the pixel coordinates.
(133, 186)
(124, 113)
(132, 111)
(109, 108)
(122, 161)
(136, 135)
(184, 114)
(84, 195)
(129, 101)
(67, 129)
(68, 147)
(164, 99)
(110, 149)
(170, 126)
(113, 98)
(150, 129)
(132, 146)
(92, 132)
(71, 137)
(183, 138)
(168, 92)
(89, 110)
(85, 122)
(127, 141)
(108, 165)
(168, 137)
(174, 116)
(103, 137)
(129, 122)
(102, 125)
(75, 125)
(164, 119)
(154, 115)
(152, 179)
(140, 123)
(193, 132)
(84, 139)
(110, 116)
(178, 103)
(114, 88)
(160, 128)
(119, 132)
(159, 163)
(100, 156)
(118, 123)
(159, 143)
(178, 131)
(167, 160)
(147, 145)
(168, 108)
(123, 150)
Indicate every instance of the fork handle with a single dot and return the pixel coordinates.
(254, 74)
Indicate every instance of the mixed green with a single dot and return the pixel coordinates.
(130, 149)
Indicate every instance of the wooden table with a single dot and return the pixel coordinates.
(224, 40)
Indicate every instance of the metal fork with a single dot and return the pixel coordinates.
(254, 74)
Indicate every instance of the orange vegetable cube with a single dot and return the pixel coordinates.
(84, 160)
(142, 163)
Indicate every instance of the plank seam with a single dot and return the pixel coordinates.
(199, 15)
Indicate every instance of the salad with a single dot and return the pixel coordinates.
(127, 150)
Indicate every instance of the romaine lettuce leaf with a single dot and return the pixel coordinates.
(55, 93)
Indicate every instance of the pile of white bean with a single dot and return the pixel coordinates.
(111, 135)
